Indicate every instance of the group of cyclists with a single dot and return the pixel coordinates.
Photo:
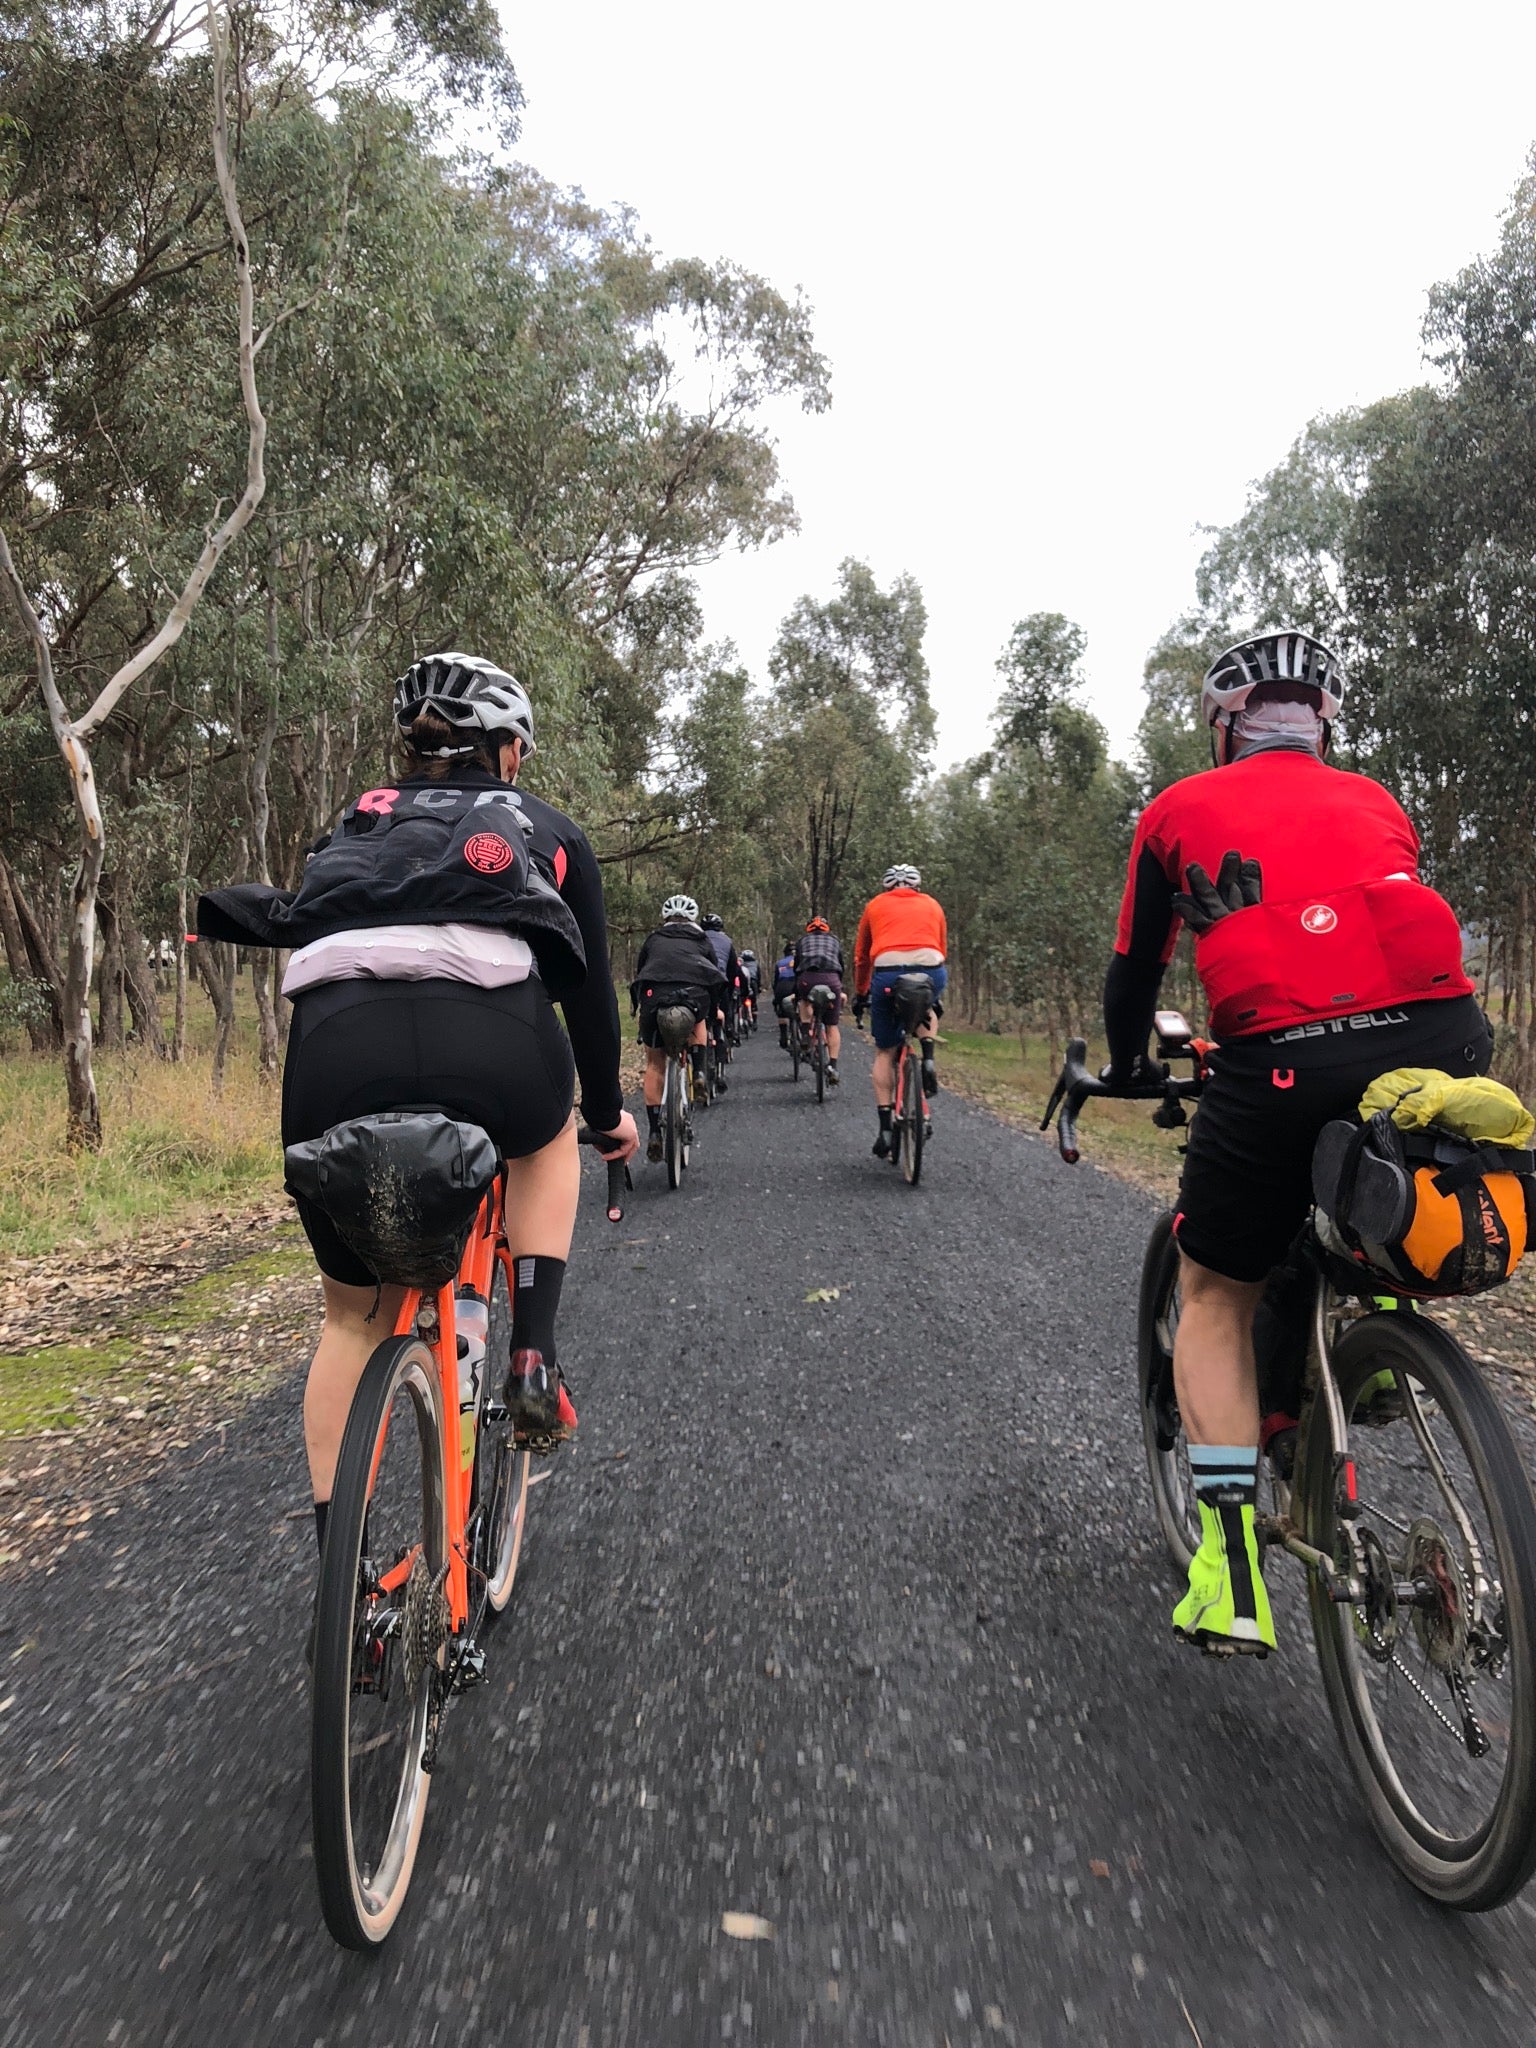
(437, 927)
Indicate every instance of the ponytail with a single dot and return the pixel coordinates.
(430, 746)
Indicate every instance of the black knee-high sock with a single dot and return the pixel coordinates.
(322, 1513)
(535, 1303)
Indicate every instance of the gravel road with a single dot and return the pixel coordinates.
(846, 1615)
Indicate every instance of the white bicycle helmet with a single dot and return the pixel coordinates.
(471, 693)
(1287, 657)
(680, 906)
(903, 876)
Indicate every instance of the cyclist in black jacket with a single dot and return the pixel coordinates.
(430, 931)
(676, 969)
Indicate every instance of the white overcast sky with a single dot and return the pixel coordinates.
(1082, 271)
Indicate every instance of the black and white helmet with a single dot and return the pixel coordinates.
(1287, 657)
(903, 876)
(680, 906)
(471, 693)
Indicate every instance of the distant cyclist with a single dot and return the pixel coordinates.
(901, 932)
(1326, 962)
(677, 969)
(784, 989)
(724, 1023)
(444, 997)
(818, 958)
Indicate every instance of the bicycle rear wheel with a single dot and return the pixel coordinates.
(819, 1060)
(1162, 1428)
(502, 1470)
(913, 1116)
(794, 1048)
(1431, 1672)
(380, 1623)
(674, 1113)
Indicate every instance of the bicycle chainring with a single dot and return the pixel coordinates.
(424, 1623)
(1441, 1623)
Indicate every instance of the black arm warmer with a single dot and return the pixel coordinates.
(1130, 997)
(592, 1014)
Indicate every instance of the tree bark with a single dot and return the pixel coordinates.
(140, 987)
(109, 976)
(42, 1024)
(216, 971)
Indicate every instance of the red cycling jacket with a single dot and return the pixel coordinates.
(1345, 924)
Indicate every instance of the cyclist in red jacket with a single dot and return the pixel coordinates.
(1325, 962)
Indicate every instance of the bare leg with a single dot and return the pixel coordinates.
(351, 1332)
(542, 1192)
(885, 1079)
(1213, 1367)
(834, 1041)
(655, 1076)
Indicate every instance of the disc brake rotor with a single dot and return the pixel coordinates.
(1441, 1623)
(424, 1627)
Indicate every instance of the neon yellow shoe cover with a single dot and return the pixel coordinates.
(1226, 1606)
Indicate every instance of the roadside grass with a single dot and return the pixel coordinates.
(1014, 1082)
(171, 1147)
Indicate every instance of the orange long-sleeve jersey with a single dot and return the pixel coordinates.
(899, 922)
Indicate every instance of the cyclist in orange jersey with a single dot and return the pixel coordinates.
(901, 932)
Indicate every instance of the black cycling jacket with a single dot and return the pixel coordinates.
(425, 852)
(677, 955)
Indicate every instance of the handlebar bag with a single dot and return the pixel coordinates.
(402, 1188)
(1424, 1212)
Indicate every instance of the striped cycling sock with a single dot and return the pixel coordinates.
(1225, 1475)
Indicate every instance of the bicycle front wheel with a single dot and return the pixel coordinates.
(673, 1119)
(380, 1624)
(503, 1471)
(1431, 1670)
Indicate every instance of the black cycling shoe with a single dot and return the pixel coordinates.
(721, 1084)
(653, 1147)
(930, 1078)
(538, 1405)
(833, 1076)
(882, 1146)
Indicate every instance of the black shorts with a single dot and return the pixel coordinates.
(1247, 1183)
(496, 1057)
(804, 983)
(668, 998)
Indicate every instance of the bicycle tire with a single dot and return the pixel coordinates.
(1487, 1865)
(672, 1121)
(794, 1048)
(914, 1117)
(1173, 1497)
(819, 1061)
(361, 1906)
(504, 1471)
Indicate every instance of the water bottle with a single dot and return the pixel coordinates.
(473, 1319)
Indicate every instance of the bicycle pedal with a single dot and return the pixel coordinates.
(542, 1443)
(469, 1668)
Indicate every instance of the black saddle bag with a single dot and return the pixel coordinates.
(913, 998)
(402, 1189)
(823, 1001)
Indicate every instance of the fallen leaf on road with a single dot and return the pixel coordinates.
(824, 1294)
(1098, 1866)
(746, 1926)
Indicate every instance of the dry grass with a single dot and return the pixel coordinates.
(172, 1147)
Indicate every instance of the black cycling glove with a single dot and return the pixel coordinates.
(1239, 885)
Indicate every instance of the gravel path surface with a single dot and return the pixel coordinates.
(844, 1614)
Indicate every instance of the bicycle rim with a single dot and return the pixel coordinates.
(913, 1117)
(503, 1470)
(374, 1692)
(1162, 1429)
(1434, 1696)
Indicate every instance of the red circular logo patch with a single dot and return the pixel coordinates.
(1319, 918)
(488, 852)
